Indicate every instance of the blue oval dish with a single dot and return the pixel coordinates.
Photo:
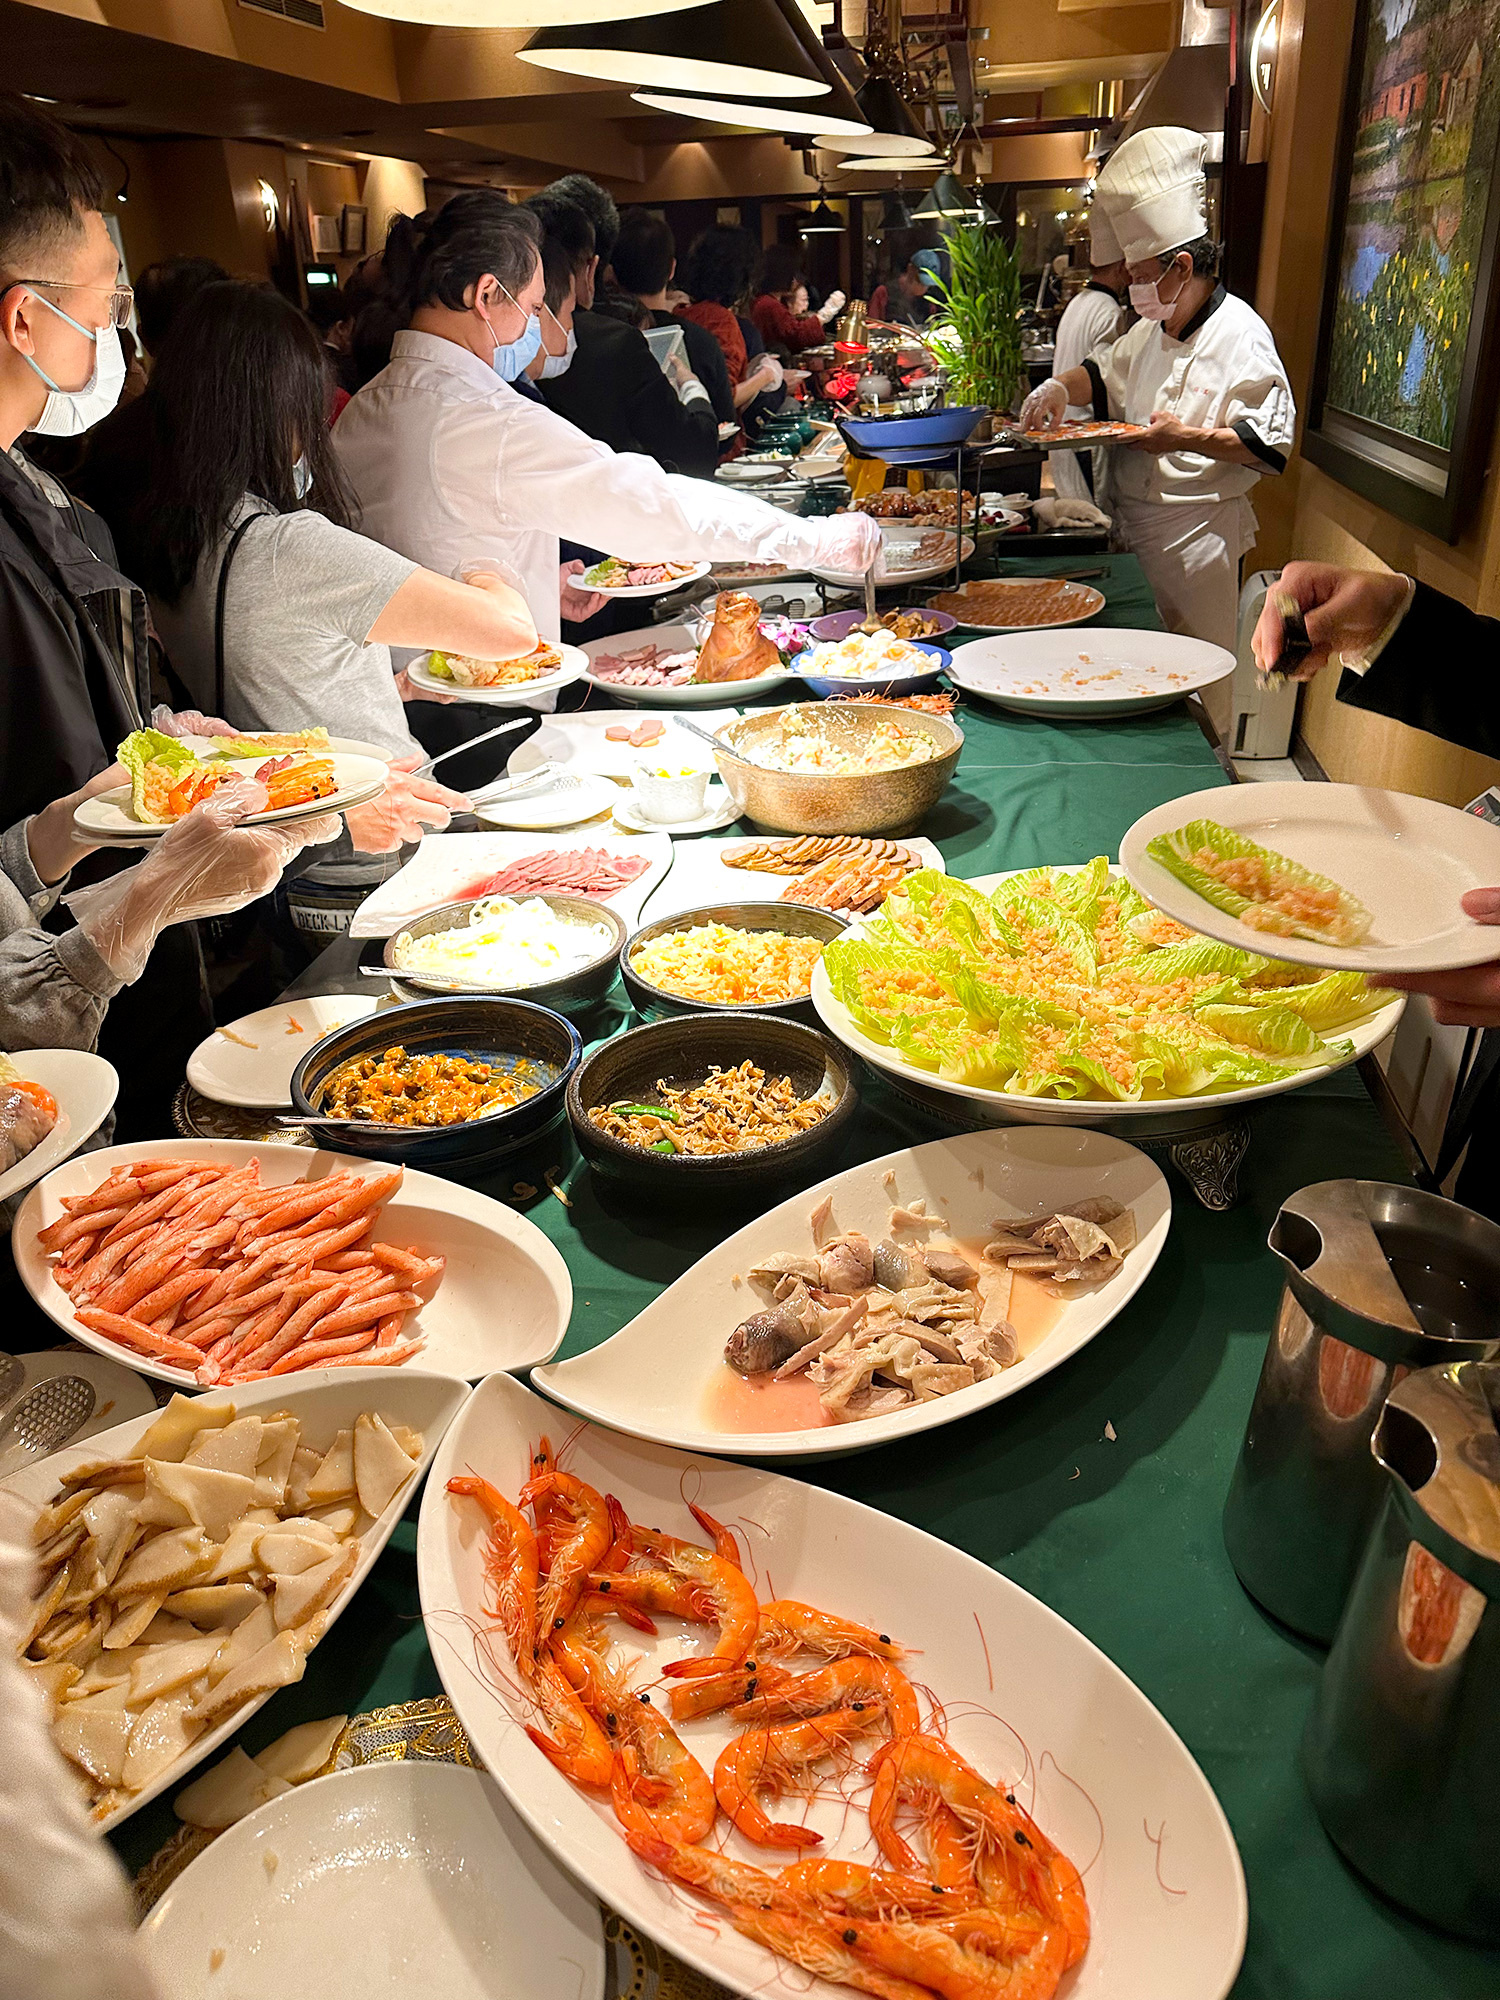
(896, 684)
(926, 429)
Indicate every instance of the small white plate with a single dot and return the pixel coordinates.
(582, 744)
(672, 639)
(85, 1087)
(1101, 674)
(1028, 1700)
(452, 867)
(719, 810)
(1087, 604)
(107, 816)
(1407, 859)
(324, 1405)
(574, 666)
(568, 801)
(251, 1061)
(890, 577)
(402, 1880)
(504, 1300)
(749, 472)
(694, 575)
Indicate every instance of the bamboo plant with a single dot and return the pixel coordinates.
(981, 315)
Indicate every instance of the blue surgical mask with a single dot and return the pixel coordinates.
(511, 362)
(70, 412)
(302, 479)
(559, 364)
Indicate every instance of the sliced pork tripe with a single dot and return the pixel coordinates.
(1083, 1243)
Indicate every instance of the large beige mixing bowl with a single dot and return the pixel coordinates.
(880, 802)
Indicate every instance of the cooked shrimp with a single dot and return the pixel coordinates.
(846, 1683)
(658, 1786)
(622, 1546)
(713, 1874)
(720, 1585)
(651, 1590)
(821, 1950)
(576, 1550)
(551, 1523)
(925, 1953)
(871, 1892)
(789, 1627)
(510, 1567)
(726, 1547)
(950, 1854)
(580, 1750)
(709, 1693)
(921, 1767)
(1067, 1904)
(781, 1759)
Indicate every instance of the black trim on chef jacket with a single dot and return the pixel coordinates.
(1244, 430)
(1201, 317)
(1098, 395)
(1269, 456)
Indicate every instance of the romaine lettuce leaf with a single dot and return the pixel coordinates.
(1346, 924)
(155, 763)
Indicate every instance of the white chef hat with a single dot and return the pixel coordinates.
(1104, 245)
(1154, 192)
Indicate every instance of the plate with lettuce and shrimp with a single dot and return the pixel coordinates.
(1347, 878)
(305, 774)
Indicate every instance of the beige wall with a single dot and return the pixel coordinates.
(1305, 513)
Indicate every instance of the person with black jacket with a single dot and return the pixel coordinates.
(614, 390)
(644, 263)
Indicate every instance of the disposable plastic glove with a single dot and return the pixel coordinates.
(189, 722)
(205, 866)
(832, 306)
(67, 1930)
(408, 807)
(770, 371)
(1046, 406)
(851, 542)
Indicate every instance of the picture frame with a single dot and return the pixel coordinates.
(353, 223)
(1409, 282)
(327, 239)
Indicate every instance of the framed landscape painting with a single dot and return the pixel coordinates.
(1403, 391)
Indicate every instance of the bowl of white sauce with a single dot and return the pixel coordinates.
(560, 951)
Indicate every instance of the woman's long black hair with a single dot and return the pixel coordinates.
(238, 395)
(718, 266)
(476, 234)
(781, 270)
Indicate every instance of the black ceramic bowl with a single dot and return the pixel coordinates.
(680, 1053)
(793, 919)
(586, 983)
(486, 1030)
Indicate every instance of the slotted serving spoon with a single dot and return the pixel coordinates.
(46, 1417)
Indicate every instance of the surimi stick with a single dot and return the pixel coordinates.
(141, 1337)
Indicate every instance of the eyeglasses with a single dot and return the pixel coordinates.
(121, 297)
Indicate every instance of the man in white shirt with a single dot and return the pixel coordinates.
(1092, 319)
(451, 466)
(1201, 369)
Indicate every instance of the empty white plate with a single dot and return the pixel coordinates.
(85, 1087)
(1408, 860)
(406, 1881)
(567, 801)
(251, 1061)
(1088, 673)
(719, 809)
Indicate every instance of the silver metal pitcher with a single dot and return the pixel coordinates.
(1402, 1749)
(1379, 1280)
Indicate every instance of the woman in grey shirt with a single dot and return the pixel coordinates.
(275, 614)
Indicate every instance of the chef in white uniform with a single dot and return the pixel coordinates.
(1092, 319)
(1200, 368)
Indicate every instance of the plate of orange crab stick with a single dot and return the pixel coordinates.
(807, 1747)
(211, 1263)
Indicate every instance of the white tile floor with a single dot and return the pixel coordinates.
(1266, 770)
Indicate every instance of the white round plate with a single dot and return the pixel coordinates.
(750, 472)
(324, 1405)
(673, 639)
(1090, 601)
(1408, 860)
(1028, 1699)
(893, 579)
(1105, 673)
(251, 1061)
(492, 1254)
(568, 800)
(574, 667)
(721, 810)
(405, 1880)
(1000, 1107)
(85, 1087)
(358, 780)
(657, 1377)
(694, 575)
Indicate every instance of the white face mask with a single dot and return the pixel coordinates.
(302, 478)
(70, 412)
(1150, 304)
(559, 364)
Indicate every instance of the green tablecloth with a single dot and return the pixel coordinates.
(1119, 1534)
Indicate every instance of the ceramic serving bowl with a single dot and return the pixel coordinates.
(667, 797)
(680, 1053)
(877, 802)
(868, 684)
(578, 987)
(839, 624)
(487, 1030)
(790, 919)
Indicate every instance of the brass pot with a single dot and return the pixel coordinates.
(877, 802)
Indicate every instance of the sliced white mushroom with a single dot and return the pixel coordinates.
(302, 1752)
(381, 1467)
(179, 1424)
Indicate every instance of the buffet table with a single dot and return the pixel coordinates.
(1100, 1488)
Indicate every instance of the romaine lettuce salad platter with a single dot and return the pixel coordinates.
(1065, 983)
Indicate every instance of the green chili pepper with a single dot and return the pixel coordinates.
(661, 1111)
(662, 1146)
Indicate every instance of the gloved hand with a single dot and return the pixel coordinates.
(54, 845)
(1046, 406)
(408, 807)
(188, 722)
(832, 306)
(205, 865)
(851, 543)
(770, 371)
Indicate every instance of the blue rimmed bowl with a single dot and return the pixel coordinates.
(868, 684)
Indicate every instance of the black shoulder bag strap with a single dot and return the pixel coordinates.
(234, 541)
